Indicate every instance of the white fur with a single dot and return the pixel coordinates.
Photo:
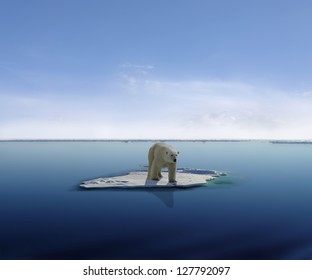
(161, 155)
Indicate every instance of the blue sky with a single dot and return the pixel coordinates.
(156, 69)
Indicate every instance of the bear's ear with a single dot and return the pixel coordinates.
(178, 152)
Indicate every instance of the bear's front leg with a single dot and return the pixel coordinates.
(154, 172)
(172, 170)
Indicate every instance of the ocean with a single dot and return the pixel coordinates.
(261, 210)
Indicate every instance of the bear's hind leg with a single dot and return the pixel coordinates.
(150, 163)
(149, 172)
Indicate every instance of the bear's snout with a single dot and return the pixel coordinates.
(174, 160)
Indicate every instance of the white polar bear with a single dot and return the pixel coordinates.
(161, 155)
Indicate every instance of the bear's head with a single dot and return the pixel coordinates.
(171, 156)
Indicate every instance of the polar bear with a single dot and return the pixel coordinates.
(161, 155)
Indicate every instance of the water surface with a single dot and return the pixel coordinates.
(261, 210)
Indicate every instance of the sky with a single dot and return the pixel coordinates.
(155, 69)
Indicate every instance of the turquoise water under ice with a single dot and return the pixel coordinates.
(261, 210)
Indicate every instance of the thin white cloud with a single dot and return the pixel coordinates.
(135, 69)
(137, 66)
(229, 109)
(306, 93)
(160, 109)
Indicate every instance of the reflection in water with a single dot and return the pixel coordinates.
(166, 196)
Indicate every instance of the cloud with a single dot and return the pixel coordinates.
(306, 94)
(135, 69)
(229, 109)
(152, 108)
(136, 66)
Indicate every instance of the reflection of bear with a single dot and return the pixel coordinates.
(161, 155)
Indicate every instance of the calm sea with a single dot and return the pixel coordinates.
(261, 210)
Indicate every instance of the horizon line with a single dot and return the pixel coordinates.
(148, 140)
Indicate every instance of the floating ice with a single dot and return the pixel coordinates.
(186, 178)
